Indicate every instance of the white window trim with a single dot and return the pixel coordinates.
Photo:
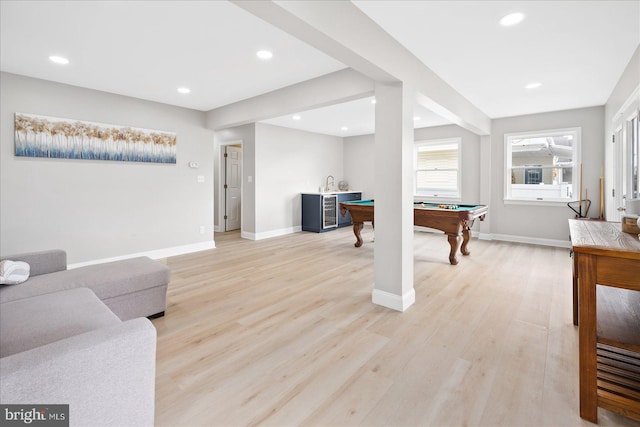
(577, 161)
(423, 198)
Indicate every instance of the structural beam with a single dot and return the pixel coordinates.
(485, 184)
(343, 31)
(340, 86)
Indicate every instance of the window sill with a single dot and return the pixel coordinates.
(529, 202)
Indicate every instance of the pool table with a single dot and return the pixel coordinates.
(452, 219)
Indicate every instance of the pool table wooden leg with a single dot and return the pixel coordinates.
(454, 242)
(466, 237)
(357, 227)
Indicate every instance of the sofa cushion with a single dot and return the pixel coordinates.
(32, 322)
(106, 280)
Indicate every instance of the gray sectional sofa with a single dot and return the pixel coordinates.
(135, 287)
(80, 337)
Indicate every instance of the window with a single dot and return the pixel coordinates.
(437, 168)
(542, 166)
(533, 175)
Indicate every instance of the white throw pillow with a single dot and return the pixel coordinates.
(13, 272)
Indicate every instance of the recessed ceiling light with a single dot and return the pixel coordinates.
(511, 19)
(533, 85)
(184, 90)
(296, 117)
(264, 54)
(344, 128)
(58, 59)
(416, 118)
(373, 101)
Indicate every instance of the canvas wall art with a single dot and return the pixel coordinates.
(43, 136)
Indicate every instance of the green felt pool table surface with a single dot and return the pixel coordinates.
(420, 205)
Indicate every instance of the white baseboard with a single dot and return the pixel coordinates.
(528, 240)
(422, 229)
(393, 301)
(271, 233)
(154, 254)
(247, 235)
(508, 238)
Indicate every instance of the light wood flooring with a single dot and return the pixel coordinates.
(282, 332)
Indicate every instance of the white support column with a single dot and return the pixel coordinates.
(485, 185)
(393, 253)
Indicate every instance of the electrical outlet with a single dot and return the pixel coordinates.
(202, 229)
(200, 178)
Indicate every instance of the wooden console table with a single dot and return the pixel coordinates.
(609, 332)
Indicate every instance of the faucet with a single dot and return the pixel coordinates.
(326, 187)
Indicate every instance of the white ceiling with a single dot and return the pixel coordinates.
(576, 49)
(146, 49)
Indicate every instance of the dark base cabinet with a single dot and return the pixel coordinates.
(321, 212)
(344, 221)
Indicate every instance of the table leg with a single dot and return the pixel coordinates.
(587, 336)
(466, 237)
(454, 242)
(357, 227)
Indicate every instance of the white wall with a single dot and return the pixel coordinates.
(535, 223)
(101, 209)
(290, 162)
(359, 166)
(629, 80)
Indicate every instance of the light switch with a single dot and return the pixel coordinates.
(200, 178)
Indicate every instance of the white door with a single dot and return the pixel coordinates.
(624, 147)
(632, 139)
(232, 191)
(628, 156)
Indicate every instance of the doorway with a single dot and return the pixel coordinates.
(626, 156)
(232, 187)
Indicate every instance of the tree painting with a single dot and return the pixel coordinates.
(42, 136)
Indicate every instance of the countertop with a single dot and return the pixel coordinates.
(332, 192)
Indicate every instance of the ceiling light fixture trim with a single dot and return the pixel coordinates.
(59, 59)
(512, 19)
(264, 54)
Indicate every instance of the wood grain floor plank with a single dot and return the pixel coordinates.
(282, 332)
